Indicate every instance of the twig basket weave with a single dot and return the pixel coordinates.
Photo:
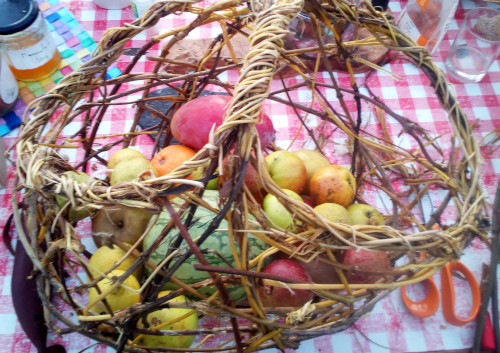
(404, 176)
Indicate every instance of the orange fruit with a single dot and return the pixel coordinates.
(171, 157)
(332, 184)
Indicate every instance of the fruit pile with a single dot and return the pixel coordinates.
(117, 281)
(265, 246)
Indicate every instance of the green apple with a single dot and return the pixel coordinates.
(334, 212)
(279, 215)
(287, 170)
(200, 173)
(313, 160)
(365, 214)
(124, 223)
(74, 215)
(159, 317)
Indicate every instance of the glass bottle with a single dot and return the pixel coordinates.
(31, 52)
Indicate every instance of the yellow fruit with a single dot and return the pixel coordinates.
(165, 315)
(104, 258)
(131, 169)
(120, 297)
(123, 155)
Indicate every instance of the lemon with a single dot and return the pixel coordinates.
(165, 315)
(104, 258)
(120, 297)
(131, 169)
(123, 155)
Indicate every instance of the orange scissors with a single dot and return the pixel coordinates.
(429, 305)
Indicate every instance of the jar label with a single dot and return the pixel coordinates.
(423, 3)
(140, 7)
(33, 56)
(8, 89)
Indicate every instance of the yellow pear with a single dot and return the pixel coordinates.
(165, 315)
(118, 298)
(123, 155)
(132, 169)
(105, 257)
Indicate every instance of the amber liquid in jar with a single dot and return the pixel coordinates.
(32, 52)
(40, 72)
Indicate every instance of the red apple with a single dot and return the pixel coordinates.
(252, 179)
(287, 170)
(192, 122)
(285, 297)
(363, 260)
(332, 183)
(320, 271)
(307, 199)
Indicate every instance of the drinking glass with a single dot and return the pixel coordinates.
(476, 46)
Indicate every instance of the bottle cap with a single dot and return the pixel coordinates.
(16, 15)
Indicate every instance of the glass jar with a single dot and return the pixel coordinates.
(8, 88)
(25, 37)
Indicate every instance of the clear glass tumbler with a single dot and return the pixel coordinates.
(476, 46)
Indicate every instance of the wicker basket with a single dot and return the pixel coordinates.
(405, 178)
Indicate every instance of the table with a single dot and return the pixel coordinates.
(389, 327)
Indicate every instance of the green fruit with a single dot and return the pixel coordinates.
(165, 315)
(218, 241)
(278, 213)
(213, 183)
(200, 173)
(74, 215)
(131, 169)
(334, 212)
(123, 155)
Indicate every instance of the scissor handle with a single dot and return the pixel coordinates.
(448, 293)
(426, 307)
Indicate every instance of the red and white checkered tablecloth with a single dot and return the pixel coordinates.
(389, 327)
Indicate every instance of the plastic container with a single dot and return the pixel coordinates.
(8, 88)
(31, 51)
(426, 21)
(139, 7)
(112, 4)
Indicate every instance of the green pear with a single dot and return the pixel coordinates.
(132, 169)
(278, 213)
(124, 155)
(165, 315)
(74, 215)
(122, 222)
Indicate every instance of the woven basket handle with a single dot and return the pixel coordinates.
(271, 26)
